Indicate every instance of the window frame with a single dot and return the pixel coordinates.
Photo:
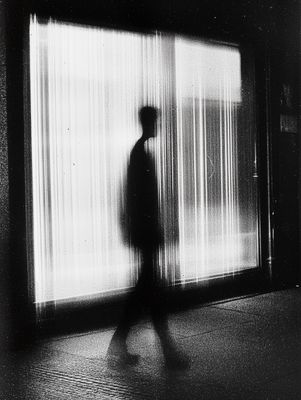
(210, 290)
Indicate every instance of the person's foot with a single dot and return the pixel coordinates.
(118, 355)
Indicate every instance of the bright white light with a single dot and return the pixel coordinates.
(87, 85)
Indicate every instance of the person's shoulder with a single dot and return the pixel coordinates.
(138, 147)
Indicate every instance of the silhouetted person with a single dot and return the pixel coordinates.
(144, 234)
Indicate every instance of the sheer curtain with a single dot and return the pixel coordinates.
(87, 85)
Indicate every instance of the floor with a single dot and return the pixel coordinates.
(248, 348)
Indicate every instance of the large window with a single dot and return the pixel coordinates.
(87, 85)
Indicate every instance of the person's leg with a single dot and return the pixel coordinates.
(129, 316)
(131, 313)
(117, 351)
(158, 309)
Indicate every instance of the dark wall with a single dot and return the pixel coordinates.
(285, 99)
(231, 18)
(4, 187)
(270, 26)
(13, 268)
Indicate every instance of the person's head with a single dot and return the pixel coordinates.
(148, 116)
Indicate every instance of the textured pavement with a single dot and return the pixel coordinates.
(248, 348)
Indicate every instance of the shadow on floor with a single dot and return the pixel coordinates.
(243, 349)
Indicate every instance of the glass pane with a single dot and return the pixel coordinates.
(87, 86)
(215, 234)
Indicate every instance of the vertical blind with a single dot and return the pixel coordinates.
(87, 86)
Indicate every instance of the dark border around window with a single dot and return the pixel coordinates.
(19, 145)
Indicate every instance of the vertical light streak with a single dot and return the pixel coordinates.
(87, 85)
(202, 182)
(205, 224)
(222, 165)
(213, 72)
(180, 166)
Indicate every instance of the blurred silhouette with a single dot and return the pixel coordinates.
(141, 228)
